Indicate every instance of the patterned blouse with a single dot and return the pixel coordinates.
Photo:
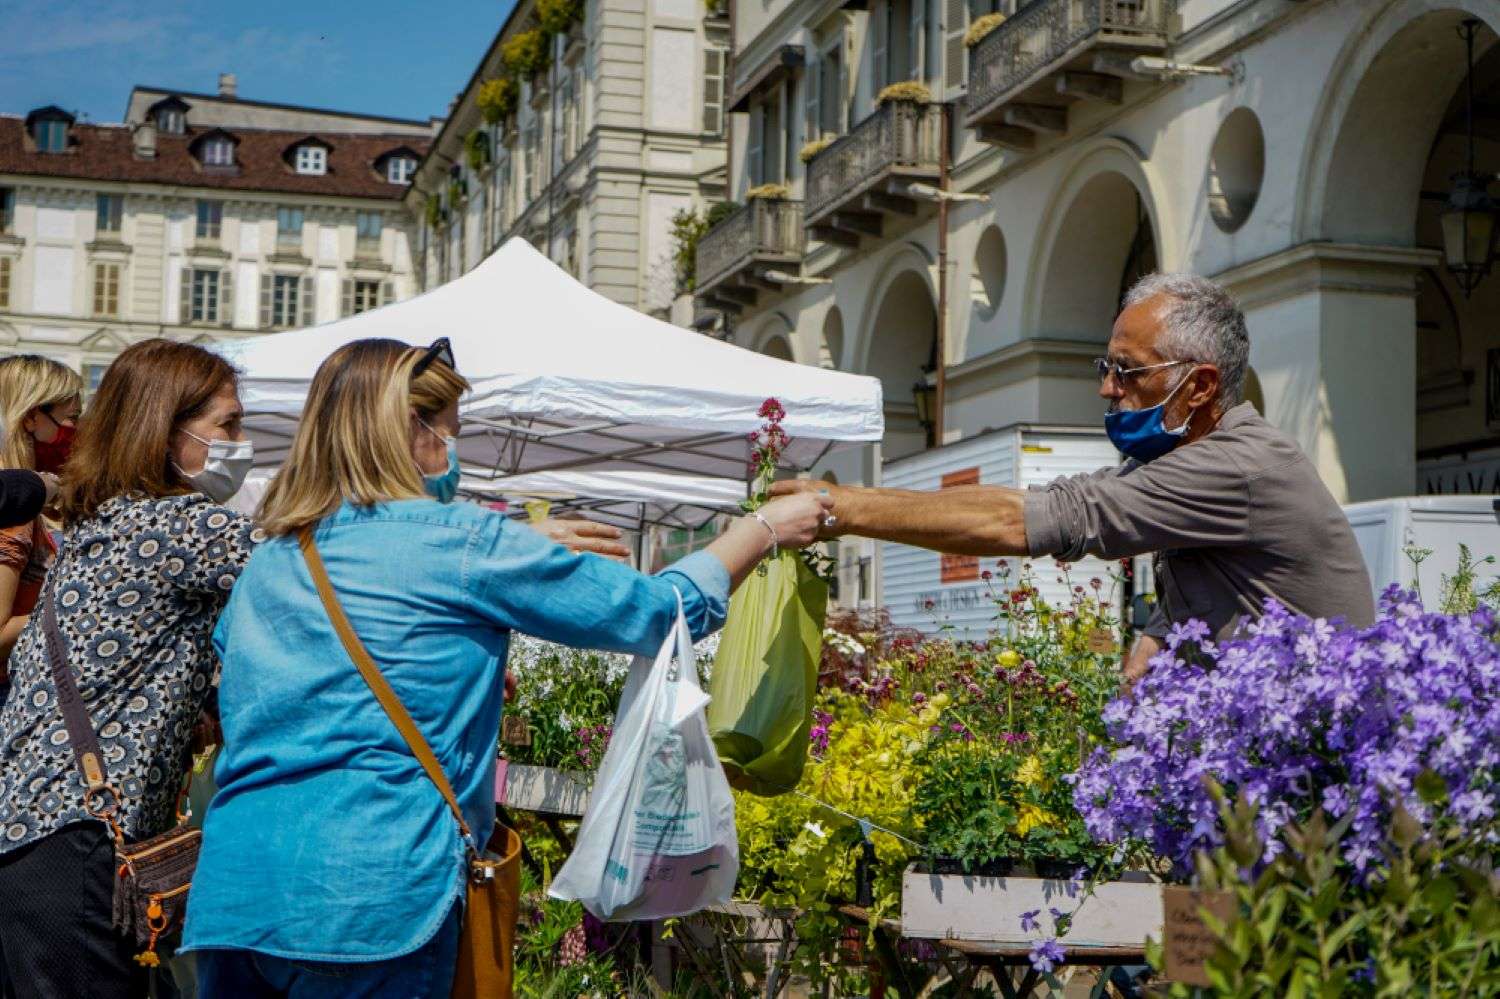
(139, 588)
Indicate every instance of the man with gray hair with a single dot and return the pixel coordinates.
(1230, 506)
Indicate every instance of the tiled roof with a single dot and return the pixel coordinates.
(105, 152)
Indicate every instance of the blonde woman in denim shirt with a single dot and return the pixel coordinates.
(331, 866)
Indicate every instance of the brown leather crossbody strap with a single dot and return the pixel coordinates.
(76, 719)
(378, 683)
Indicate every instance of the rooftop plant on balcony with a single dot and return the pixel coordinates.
(981, 28)
(528, 53)
(557, 16)
(477, 149)
(770, 192)
(688, 227)
(434, 210)
(906, 90)
(497, 98)
(815, 147)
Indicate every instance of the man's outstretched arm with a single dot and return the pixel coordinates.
(964, 520)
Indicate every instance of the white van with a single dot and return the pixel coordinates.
(1385, 529)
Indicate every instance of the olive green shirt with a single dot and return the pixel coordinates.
(1234, 517)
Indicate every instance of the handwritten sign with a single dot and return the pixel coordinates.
(1189, 941)
(1101, 641)
(514, 731)
(959, 568)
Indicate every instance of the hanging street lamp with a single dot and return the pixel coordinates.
(1469, 218)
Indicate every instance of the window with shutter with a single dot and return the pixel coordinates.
(185, 299)
(265, 301)
(307, 301)
(4, 282)
(812, 123)
(916, 46)
(880, 31)
(955, 54)
(753, 156)
(226, 299)
(106, 289)
(387, 292)
(770, 140)
(713, 90)
(346, 298)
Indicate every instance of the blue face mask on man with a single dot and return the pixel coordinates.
(1142, 434)
(443, 486)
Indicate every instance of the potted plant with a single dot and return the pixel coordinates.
(814, 147)
(527, 53)
(981, 28)
(914, 91)
(497, 98)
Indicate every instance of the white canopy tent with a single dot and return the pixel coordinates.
(629, 499)
(565, 379)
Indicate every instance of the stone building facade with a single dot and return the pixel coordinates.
(201, 217)
(621, 131)
(1300, 152)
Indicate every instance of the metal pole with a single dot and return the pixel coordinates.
(940, 392)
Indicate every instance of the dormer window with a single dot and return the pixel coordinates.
(399, 169)
(48, 128)
(312, 160)
(215, 149)
(170, 115)
(218, 152)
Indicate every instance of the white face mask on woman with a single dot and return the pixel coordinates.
(224, 469)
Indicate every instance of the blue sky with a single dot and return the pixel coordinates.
(374, 56)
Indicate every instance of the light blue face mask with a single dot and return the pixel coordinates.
(443, 486)
(1142, 434)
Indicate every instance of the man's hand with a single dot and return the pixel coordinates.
(581, 535)
(833, 521)
(1138, 663)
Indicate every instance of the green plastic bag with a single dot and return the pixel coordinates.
(766, 676)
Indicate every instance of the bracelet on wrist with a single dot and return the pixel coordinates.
(775, 541)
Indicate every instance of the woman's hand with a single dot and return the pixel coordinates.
(797, 518)
(581, 535)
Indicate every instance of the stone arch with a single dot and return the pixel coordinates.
(831, 339)
(1104, 220)
(898, 349)
(777, 338)
(1372, 134)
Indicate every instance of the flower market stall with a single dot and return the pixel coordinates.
(626, 499)
(566, 379)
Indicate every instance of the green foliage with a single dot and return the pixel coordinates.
(527, 53)
(477, 149)
(568, 699)
(1426, 921)
(457, 194)
(1463, 592)
(688, 227)
(1026, 711)
(557, 16)
(434, 211)
(497, 98)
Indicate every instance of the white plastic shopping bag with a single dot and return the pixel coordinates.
(658, 837)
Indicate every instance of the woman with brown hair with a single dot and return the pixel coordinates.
(147, 560)
(40, 400)
(332, 865)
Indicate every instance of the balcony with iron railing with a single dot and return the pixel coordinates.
(865, 175)
(749, 251)
(1024, 75)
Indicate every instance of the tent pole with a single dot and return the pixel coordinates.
(640, 542)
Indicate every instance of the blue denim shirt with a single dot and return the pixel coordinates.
(326, 841)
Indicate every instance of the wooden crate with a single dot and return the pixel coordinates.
(544, 789)
(959, 907)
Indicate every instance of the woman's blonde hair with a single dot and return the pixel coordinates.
(354, 440)
(29, 382)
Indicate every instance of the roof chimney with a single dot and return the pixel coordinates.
(228, 86)
(144, 140)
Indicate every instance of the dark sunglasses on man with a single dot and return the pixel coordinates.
(441, 350)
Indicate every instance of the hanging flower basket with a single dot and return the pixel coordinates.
(981, 28)
(497, 98)
(906, 90)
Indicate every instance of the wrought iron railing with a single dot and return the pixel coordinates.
(764, 227)
(1045, 30)
(899, 134)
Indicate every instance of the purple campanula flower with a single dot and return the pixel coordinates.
(1046, 955)
(1028, 920)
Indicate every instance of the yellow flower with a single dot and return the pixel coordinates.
(1030, 771)
(1010, 658)
(941, 700)
(1031, 817)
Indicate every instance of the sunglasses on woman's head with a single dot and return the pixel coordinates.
(441, 350)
